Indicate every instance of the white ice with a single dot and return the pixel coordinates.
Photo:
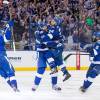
(70, 88)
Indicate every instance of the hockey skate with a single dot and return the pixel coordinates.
(53, 71)
(56, 88)
(15, 89)
(66, 77)
(82, 89)
(33, 89)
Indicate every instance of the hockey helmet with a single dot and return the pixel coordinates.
(97, 34)
(43, 26)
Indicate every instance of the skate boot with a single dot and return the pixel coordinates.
(53, 71)
(56, 88)
(34, 88)
(66, 76)
(15, 89)
(82, 89)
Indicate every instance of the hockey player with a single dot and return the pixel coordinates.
(55, 33)
(44, 57)
(6, 69)
(41, 38)
(94, 69)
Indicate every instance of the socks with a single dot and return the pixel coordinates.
(54, 79)
(87, 84)
(8, 81)
(13, 81)
(91, 74)
(37, 80)
(39, 75)
(64, 70)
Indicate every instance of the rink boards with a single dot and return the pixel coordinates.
(27, 60)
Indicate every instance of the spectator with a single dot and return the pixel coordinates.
(75, 14)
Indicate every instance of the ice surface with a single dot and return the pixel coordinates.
(70, 88)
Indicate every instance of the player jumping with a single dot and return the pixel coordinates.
(57, 50)
(6, 69)
(94, 69)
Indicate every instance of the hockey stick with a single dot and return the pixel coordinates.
(10, 13)
(67, 56)
(82, 52)
(13, 40)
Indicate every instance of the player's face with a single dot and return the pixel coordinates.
(53, 23)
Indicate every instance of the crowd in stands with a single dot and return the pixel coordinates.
(80, 18)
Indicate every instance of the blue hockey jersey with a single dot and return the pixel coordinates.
(39, 45)
(55, 32)
(96, 53)
(5, 36)
(49, 39)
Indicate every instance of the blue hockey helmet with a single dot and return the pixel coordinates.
(43, 26)
(97, 34)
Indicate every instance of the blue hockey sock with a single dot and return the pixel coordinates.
(37, 80)
(90, 77)
(54, 80)
(9, 83)
(87, 84)
(39, 75)
(3, 74)
(13, 83)
(64, 70)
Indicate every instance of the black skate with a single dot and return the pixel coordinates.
(66, 77)
(33, 89)
(56, 88)
(53, 71)
(82, 89)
